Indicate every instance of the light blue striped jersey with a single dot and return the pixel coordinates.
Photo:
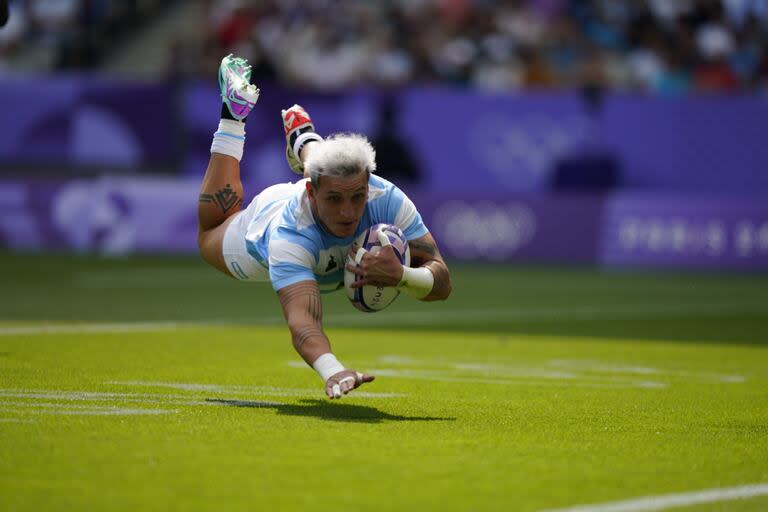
(284, 236)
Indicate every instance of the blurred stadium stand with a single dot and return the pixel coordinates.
(667, 47)
(638, 126)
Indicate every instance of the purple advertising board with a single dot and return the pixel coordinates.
(653, 230)
(453, 141)
(126, 215)
(106, 215)
(445, 140)
(84, 121)
(523, 227)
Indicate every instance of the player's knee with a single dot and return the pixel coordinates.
(206, 247)
(201, 241)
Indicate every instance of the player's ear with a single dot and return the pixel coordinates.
(310, 189)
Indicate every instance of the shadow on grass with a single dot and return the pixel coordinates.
(327, 410)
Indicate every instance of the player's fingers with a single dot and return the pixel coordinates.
(347, 384)
(355, 269)
(359, 255)
(383, 238)
(336, 390)
(359, 283)
(362, 378)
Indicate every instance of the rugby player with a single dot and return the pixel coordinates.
(298, 235)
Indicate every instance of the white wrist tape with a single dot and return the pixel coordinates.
(417, 282)
(303, 139)
(327, 366)
(229, 139)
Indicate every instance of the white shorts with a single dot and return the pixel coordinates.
(240, 263)
(251, 224)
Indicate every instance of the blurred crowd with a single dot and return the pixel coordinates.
(661, 46)
(68, 34)
(667, 47)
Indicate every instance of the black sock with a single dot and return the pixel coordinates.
(226, 114)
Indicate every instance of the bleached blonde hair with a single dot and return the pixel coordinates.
(341, 155)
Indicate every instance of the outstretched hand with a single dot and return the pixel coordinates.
(345, 381)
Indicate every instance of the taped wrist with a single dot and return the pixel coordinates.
(327, 366)
(229, 139)
(301, 140)
(417, 282)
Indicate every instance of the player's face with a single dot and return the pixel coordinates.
(339, 203)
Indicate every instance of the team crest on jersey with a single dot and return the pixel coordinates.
(329, 261)
(331, 264)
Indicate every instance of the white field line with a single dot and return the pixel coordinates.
(439, 316)
(486, 370)
(84, 395)
(53, 408)
(587, 372)
(598, 366)
(449, 377)
(582, 369)
(101, 328)
(501, 379)
(251, 390)
(15, 420)
(30, 400)
(666, 501)
(64, 398)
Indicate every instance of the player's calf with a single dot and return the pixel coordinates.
(221, 193)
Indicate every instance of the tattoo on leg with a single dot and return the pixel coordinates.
(226, 198)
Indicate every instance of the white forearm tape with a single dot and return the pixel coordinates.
(229, 139)
(417, 282)
(327, 366)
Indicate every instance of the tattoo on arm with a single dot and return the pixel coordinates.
(303, 298)
(307, 292)
(422, 252)
(418, 245)
(442, 284)
(301, 336)
(440, 271)
(226, 198)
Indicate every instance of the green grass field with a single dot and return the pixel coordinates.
(154, 383)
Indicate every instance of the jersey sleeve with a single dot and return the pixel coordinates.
(403, 213)
(291, 259)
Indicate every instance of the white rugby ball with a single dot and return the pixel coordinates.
(370, 298)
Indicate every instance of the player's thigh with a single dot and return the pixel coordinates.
(211, 243)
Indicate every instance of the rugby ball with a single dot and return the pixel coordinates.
(375, 298)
